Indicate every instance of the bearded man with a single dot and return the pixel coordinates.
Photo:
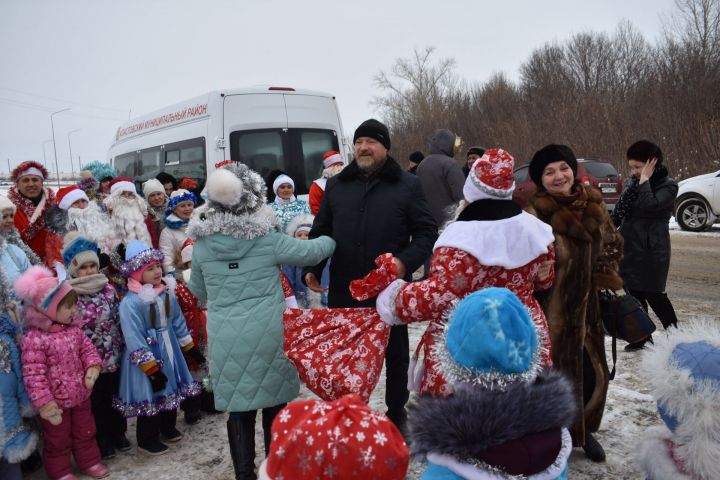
(127, 212)
(32, 200)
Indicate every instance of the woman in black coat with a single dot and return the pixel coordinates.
(642, 214)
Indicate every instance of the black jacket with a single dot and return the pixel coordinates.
(646, 254)
(369, 216)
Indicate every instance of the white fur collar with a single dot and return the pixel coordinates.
(207, 221)
(508, 243)
(654, 455)
(148, 294)
(472, 472)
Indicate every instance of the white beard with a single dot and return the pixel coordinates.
(128, 219)
(93, 224)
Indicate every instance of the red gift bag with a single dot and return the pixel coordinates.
(337, 350)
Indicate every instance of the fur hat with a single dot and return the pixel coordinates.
(236, 189)
(373, 129)
(332, 158)
(491, 176)
(6, 204)
(138, 256)
(340, 439)
(280, 180)
(78, 251)
(151, 186)
(683, 368)
(550, 154)
(122, 184)
(505, 348)
(299, 223)
(29, 167)
(177, 197)
(42, 289)
(101, 171)
(66, 196)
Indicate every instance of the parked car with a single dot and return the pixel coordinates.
(697, 206)
(596, 173)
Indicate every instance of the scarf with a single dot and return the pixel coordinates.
(35, 214)
(157, 213)
(280, 201)
(175, 222)
(145, 291)
(14, 238)
(89, 285)
(576, 202)
(624, 208)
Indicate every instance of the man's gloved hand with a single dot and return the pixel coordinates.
(195, 354)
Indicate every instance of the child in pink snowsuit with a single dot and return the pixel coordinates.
(60, 365)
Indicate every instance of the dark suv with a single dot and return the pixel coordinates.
(595, 173)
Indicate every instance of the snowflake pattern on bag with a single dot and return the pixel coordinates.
(454, 274)
(337, 350)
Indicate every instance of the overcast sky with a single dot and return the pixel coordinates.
(104, 59)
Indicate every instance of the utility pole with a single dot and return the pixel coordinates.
(72, 169)
(45, 159)
(9, 171)
(52, 127)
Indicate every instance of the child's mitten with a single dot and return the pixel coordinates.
(51, 412)
(158, 380)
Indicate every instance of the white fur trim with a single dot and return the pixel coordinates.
(694, 404)
(72, 197)
(186, 340)
(186, 253)
(170, 283)
(123, 186)
(332, 160)
(262, 471)
(280, 180)
(147, 294)
(15, 455)
(508, 243)
(31, 171)
(471, 472)
(321, 182)
(415, 374)
(385, 303)
(653, 455)
(291, 302)
(224, 187)
(186, 275)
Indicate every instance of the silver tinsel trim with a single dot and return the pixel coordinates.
(161, 404)
(456, 374)
(140, 260)
(140, 356)
(495, 192)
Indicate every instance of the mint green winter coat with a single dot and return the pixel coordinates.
(235, 267)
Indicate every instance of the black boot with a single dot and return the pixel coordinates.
(593, 450)
(148, 436)
(268, 415)
(241, 437)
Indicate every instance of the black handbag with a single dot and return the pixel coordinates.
(624, 317)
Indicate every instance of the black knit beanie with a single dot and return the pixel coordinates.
(416, 157)
(476, 150)
(373, 129)
(549, 154)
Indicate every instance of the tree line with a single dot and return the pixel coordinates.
(597, 92)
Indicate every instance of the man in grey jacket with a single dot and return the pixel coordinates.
(441, 177)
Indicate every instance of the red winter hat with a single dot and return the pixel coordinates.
(312, 439)
(29, 167)
(491, 177)
(66, 196)
(122, 184)
(331, 158)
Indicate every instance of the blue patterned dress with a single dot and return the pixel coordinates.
(285, 212)
(163, 344)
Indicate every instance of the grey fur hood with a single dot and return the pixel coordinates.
(442, 142)
(208, 220)
(56, 220)
(474, 419)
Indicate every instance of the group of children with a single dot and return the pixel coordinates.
(109, 334)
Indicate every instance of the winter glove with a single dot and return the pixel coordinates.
(158, 380)
(195, 354)
(51, 412)
(91, 376)
(385, 303)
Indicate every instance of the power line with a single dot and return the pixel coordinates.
(34, 106)
(61, 100)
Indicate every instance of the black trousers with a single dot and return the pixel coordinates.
(660, 303)
(397, 361)
(149, 428)
(109, 423)
(247, 419)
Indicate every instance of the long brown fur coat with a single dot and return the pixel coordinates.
(587, 254)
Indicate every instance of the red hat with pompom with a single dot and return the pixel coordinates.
(332, 158)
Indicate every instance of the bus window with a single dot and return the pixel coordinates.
(261, 150)
(186, 159)
(125, 164)
(149, 164)
(314, 144)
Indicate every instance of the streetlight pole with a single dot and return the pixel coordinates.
(72, 169)
(45, 159)
(52, 127)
